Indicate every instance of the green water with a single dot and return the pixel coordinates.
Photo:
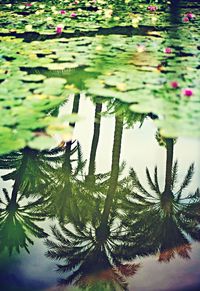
(99, 153)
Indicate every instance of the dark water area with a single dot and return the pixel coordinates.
(99, 146)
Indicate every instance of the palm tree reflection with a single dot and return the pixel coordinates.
(94, 246)
(60, 193)
(70, 181)
(21, 210)
(32, 170)
(167, 218)
(18, 220)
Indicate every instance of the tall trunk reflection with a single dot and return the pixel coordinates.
(95, 139)
(91, 248)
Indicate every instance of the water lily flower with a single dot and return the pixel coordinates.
(121, 87)
(99, 48)
(168, 50)
(62, 12)
(28, 4)
(187, 92)
(185, 19)
(108, 13)
(73, 15)
(190, 15)
(59, 29)
(152, 8)
(28, 27)
(49, 19)
(140, 48)
(136, 20)
(87, 4)
(38, 12)
(116, 18)
(174, 84)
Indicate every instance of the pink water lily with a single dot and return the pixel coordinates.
(168, 50)
(185, 19)
(174, 84)
(28, 4)
(152, 8)
(62, 12)
(187, 92)
(73, 15)
(190, 15)
(59, 29)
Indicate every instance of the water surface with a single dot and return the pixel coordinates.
(100, 159)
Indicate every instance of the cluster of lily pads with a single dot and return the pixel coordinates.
(26, 99)
(154, 70)
(78, 16)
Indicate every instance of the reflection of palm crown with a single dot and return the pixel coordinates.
(93, 252)
(30, 171)
(18, 221)
(166, 218)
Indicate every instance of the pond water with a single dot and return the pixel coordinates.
(99, 145)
